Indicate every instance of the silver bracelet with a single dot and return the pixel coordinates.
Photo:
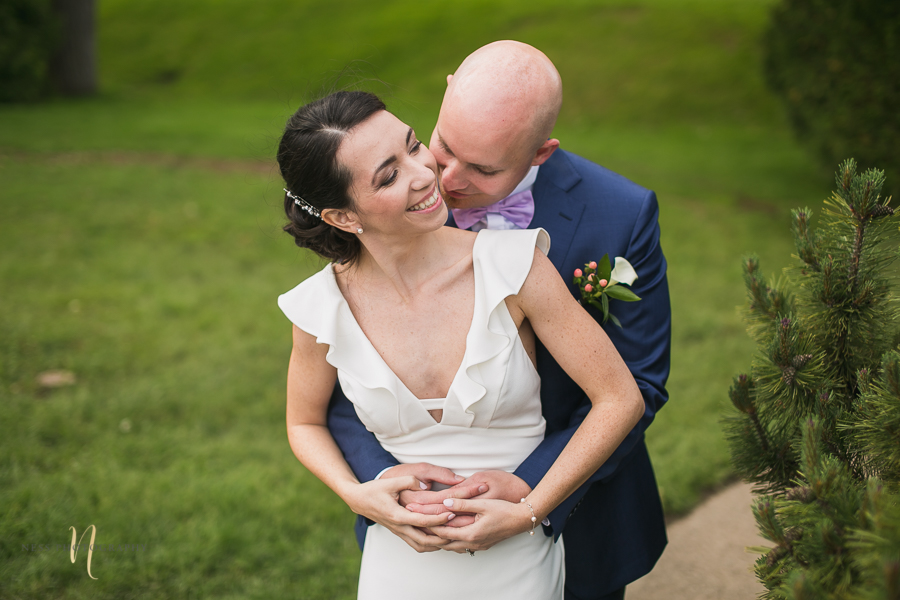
(533, 518)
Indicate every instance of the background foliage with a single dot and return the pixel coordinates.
(140, 249)
(836, 66)
(28, 33)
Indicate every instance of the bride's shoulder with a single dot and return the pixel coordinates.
(459, 235)
(461, 241)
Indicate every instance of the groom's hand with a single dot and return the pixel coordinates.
(484, 485)
(430, 474)
(501, 486)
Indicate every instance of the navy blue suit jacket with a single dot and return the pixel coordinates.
(614, 524)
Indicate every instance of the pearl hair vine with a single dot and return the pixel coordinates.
(303, 204)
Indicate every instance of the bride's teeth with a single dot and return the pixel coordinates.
(427, 203)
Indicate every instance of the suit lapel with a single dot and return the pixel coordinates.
(555, 209)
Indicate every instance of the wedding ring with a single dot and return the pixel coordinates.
(470, 552)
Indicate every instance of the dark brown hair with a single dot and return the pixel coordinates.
(307, 157)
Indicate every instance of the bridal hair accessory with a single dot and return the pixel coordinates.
(303, 204)
(599, 282)
(533, 518)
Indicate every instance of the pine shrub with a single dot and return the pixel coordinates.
(816, 425)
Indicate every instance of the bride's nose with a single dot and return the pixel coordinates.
(423, 177)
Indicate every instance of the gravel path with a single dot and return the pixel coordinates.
(706, 558)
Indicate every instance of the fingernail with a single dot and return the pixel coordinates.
(482, 489)
(423, 486)
(460, 478)
(451, 517)
(448, 502)
(408, 508)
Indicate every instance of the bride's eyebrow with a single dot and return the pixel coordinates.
(391, 159)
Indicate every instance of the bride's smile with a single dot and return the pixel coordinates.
(428, 203)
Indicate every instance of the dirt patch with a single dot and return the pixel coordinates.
(706, 558)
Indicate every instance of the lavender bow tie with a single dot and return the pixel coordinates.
(518, 209)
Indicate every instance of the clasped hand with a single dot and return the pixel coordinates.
(485, 508)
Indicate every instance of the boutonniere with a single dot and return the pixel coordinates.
(599, 282)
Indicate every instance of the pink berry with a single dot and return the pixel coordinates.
(578, 273)
(589, 288)
(592, 265)
(603, 282)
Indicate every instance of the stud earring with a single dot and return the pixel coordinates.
(359, 230)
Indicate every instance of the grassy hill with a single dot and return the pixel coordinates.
(140, 249)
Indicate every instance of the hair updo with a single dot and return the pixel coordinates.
(307, 157)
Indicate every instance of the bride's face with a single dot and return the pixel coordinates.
(394, 178)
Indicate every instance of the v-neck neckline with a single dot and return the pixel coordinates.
(462, 364)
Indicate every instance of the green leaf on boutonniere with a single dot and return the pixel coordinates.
(621, 293)
(605, 299)
(595, 304)
(604, 269)
(615, 320)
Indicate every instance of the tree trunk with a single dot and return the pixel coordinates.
(73, 69)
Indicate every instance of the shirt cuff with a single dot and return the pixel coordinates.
(382, 472)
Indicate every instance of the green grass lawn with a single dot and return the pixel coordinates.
(140, 249)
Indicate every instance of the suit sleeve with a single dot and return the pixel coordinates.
(361, 449)
(644, 342)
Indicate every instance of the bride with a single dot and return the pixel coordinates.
(431, 332)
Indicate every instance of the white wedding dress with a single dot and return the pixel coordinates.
(491, 420)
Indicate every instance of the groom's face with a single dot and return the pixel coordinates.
(479, 164)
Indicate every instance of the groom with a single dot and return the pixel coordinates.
(493, 147)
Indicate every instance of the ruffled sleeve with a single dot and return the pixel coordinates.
(503, 260)
(307, 304)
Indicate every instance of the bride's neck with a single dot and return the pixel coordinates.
(406, 265)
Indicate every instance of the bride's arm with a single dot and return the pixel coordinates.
(310, 383)
(584, 351)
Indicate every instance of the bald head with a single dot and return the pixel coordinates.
(495, 121)
(510, 85)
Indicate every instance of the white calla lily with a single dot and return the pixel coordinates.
(623, 272)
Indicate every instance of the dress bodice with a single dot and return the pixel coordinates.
(492, 412)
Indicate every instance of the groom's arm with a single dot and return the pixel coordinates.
(361, 449)
(644, 341)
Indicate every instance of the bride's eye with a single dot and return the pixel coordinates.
(390, 179)
(415, 147)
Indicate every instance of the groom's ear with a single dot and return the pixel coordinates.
(449, 77)
(544, 152)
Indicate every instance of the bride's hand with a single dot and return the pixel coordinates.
(495, 521)
(379, 501)
(484, 485)
(431, 503)
(427, 474)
